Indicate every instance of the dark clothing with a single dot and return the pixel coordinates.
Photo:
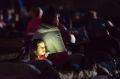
(102, 46)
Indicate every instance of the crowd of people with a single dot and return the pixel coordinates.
(81, 44)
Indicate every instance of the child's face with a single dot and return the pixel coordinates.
(41, 48)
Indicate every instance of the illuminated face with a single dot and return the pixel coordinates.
(41, 50)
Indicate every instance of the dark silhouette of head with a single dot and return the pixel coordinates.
(49, 16)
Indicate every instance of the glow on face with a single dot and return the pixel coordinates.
(41, 50)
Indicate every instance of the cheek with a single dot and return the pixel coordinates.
(43, 51)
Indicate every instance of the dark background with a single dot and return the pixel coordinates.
(110, 8)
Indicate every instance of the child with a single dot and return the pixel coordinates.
(39, 51)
